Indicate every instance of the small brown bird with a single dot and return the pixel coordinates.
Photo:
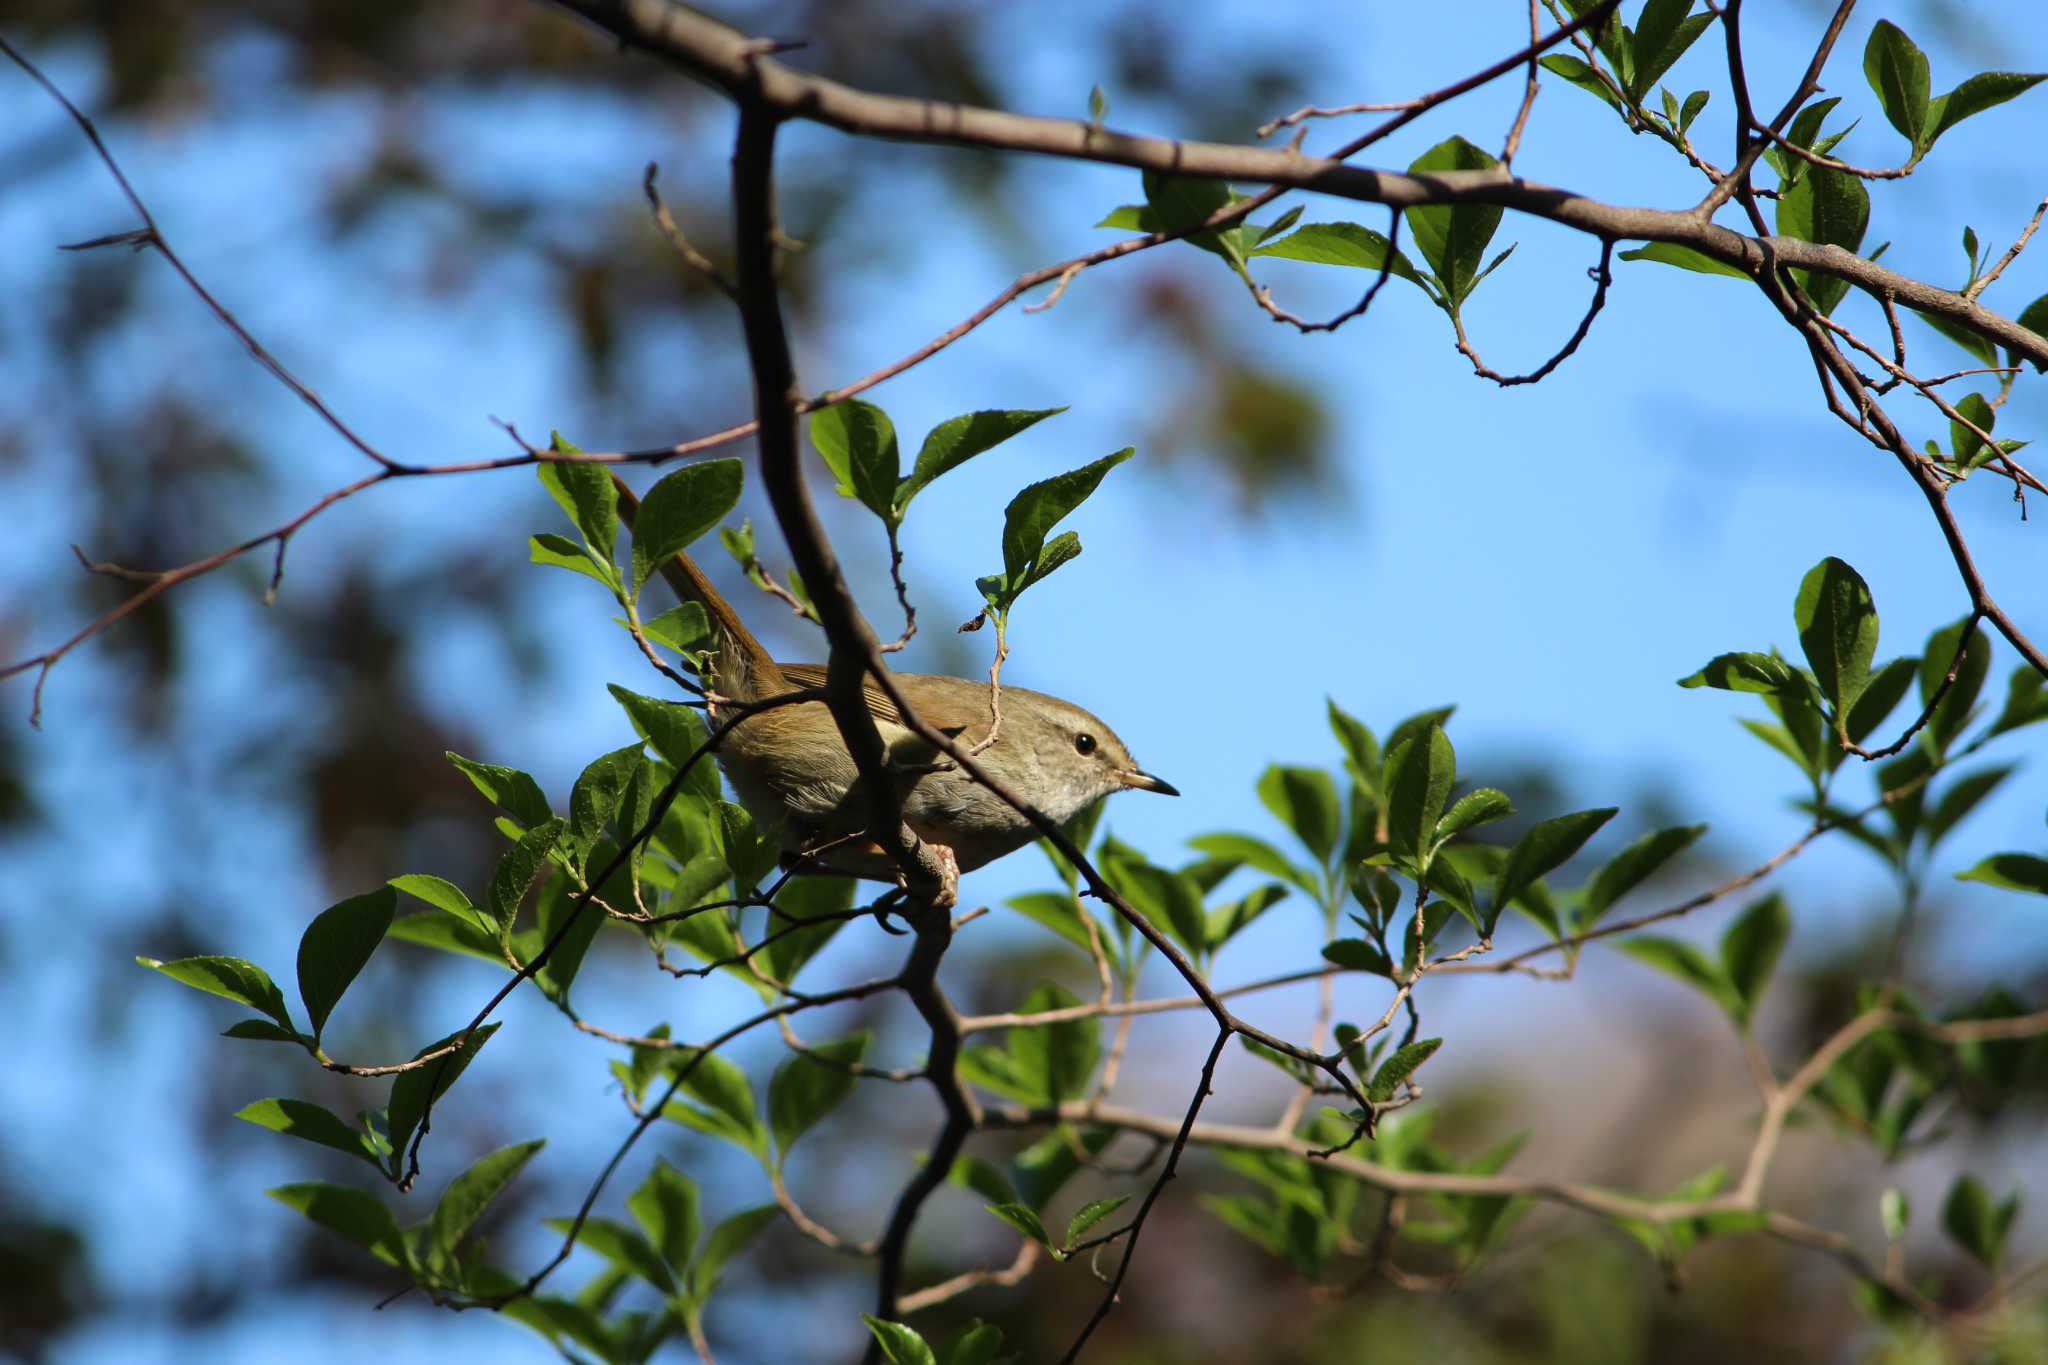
(793, 773)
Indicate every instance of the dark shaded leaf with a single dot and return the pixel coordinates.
(809, 1085)
(1750, 949)
(357, 1216)
(1897, 72)
(2014, 871)
(1837, 629)
(1632, 866)
(470, 1193)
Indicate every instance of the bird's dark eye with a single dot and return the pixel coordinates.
(1084, 743)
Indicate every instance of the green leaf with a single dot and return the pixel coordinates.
(1178, 201)
(957, 440)
(900, 1344)
(858, 442)
(1694, 103)
(1964, 443)
(1399, 1068)
(683, 628)
(1131, 218)
(1092, 1213)
(1829, 208)
(1546, 847)
(1632, 866)
(1453, 237)
(1582, 75)
(1064, 1054)
(1355, 954)
(563, 553)
(442, 895)
(977, 1345)
(1838, 631)
(1257, 854)
(1977, 1224)
(1041, 1064)
(1226, 921)
(1362, 756)
(1684, 257)
(726, 1241)
(413, 1091)
(725, 1088)
(621, 1245)
(1021, 1217)
(2014, 871)
(1417, 781)
(1098, 105)
(1304, 800)
(1881, 695)
(558, 902)
(1663, 33)
(1974, 96)
(677, 733)
(586, 492)
(981, 1176)
(1897, 72)
(310, 1123)
(665, 1207)
(1479, 807)
(1954, 714)
(1744, 672)
(679, 509)
(1346, 244)
(1167, 897)
(2026, 701)
(1962, 797)
(231, 978)
(809, 1085)
(510, 790)
(1683, 960)
(595, 797)
(356, 1215)
(1037, 509)
(335, 947)
(516, 872)
(449, 936)
(805, 898)
(1750, 949)
(1979, 347)
(470, 1193)
(1057, 911)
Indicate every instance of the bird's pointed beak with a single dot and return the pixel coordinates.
(1144, 781)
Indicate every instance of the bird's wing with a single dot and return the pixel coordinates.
(879, 706)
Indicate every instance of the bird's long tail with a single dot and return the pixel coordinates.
(743, 669)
